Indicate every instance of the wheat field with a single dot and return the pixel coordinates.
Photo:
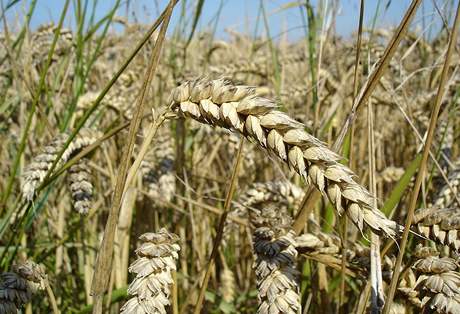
(158, 168)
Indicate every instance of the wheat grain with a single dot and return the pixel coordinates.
(156, 260)
(391, 174)
(223, 104)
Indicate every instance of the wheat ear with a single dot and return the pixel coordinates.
(157, 168)
(218, 102)
(276, 272)
(17, 286)
(81, 187)
(439, 225)
(35, 173)
(156, 260)
(439, 284)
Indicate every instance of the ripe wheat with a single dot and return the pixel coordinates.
(156, 260)
(276, 273)
(237, 108)
(35, 173)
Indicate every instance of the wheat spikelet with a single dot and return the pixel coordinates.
(318, 244)
(281, 193)
(407, 289)
(17, 286)
(220, 103)
(294, 94)
(122, 98)
(156, 260)
(439, 225)
(84, 102)
(322, 243)
(161, 180)
(264, 202)
(80, 186)
(276, 273)
(35, 173)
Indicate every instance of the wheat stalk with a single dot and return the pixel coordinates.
(150, 289)
(221, 103)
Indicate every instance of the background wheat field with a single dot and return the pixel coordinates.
(189, 157)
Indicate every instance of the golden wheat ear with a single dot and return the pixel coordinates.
(438, 282)
(237, 108)
(440, 225)
(156, 259)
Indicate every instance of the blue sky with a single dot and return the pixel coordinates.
(241, 15)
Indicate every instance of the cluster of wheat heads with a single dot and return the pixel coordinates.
(182, 180)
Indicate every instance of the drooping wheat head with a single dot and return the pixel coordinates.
(237, 108)
(36, 171)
